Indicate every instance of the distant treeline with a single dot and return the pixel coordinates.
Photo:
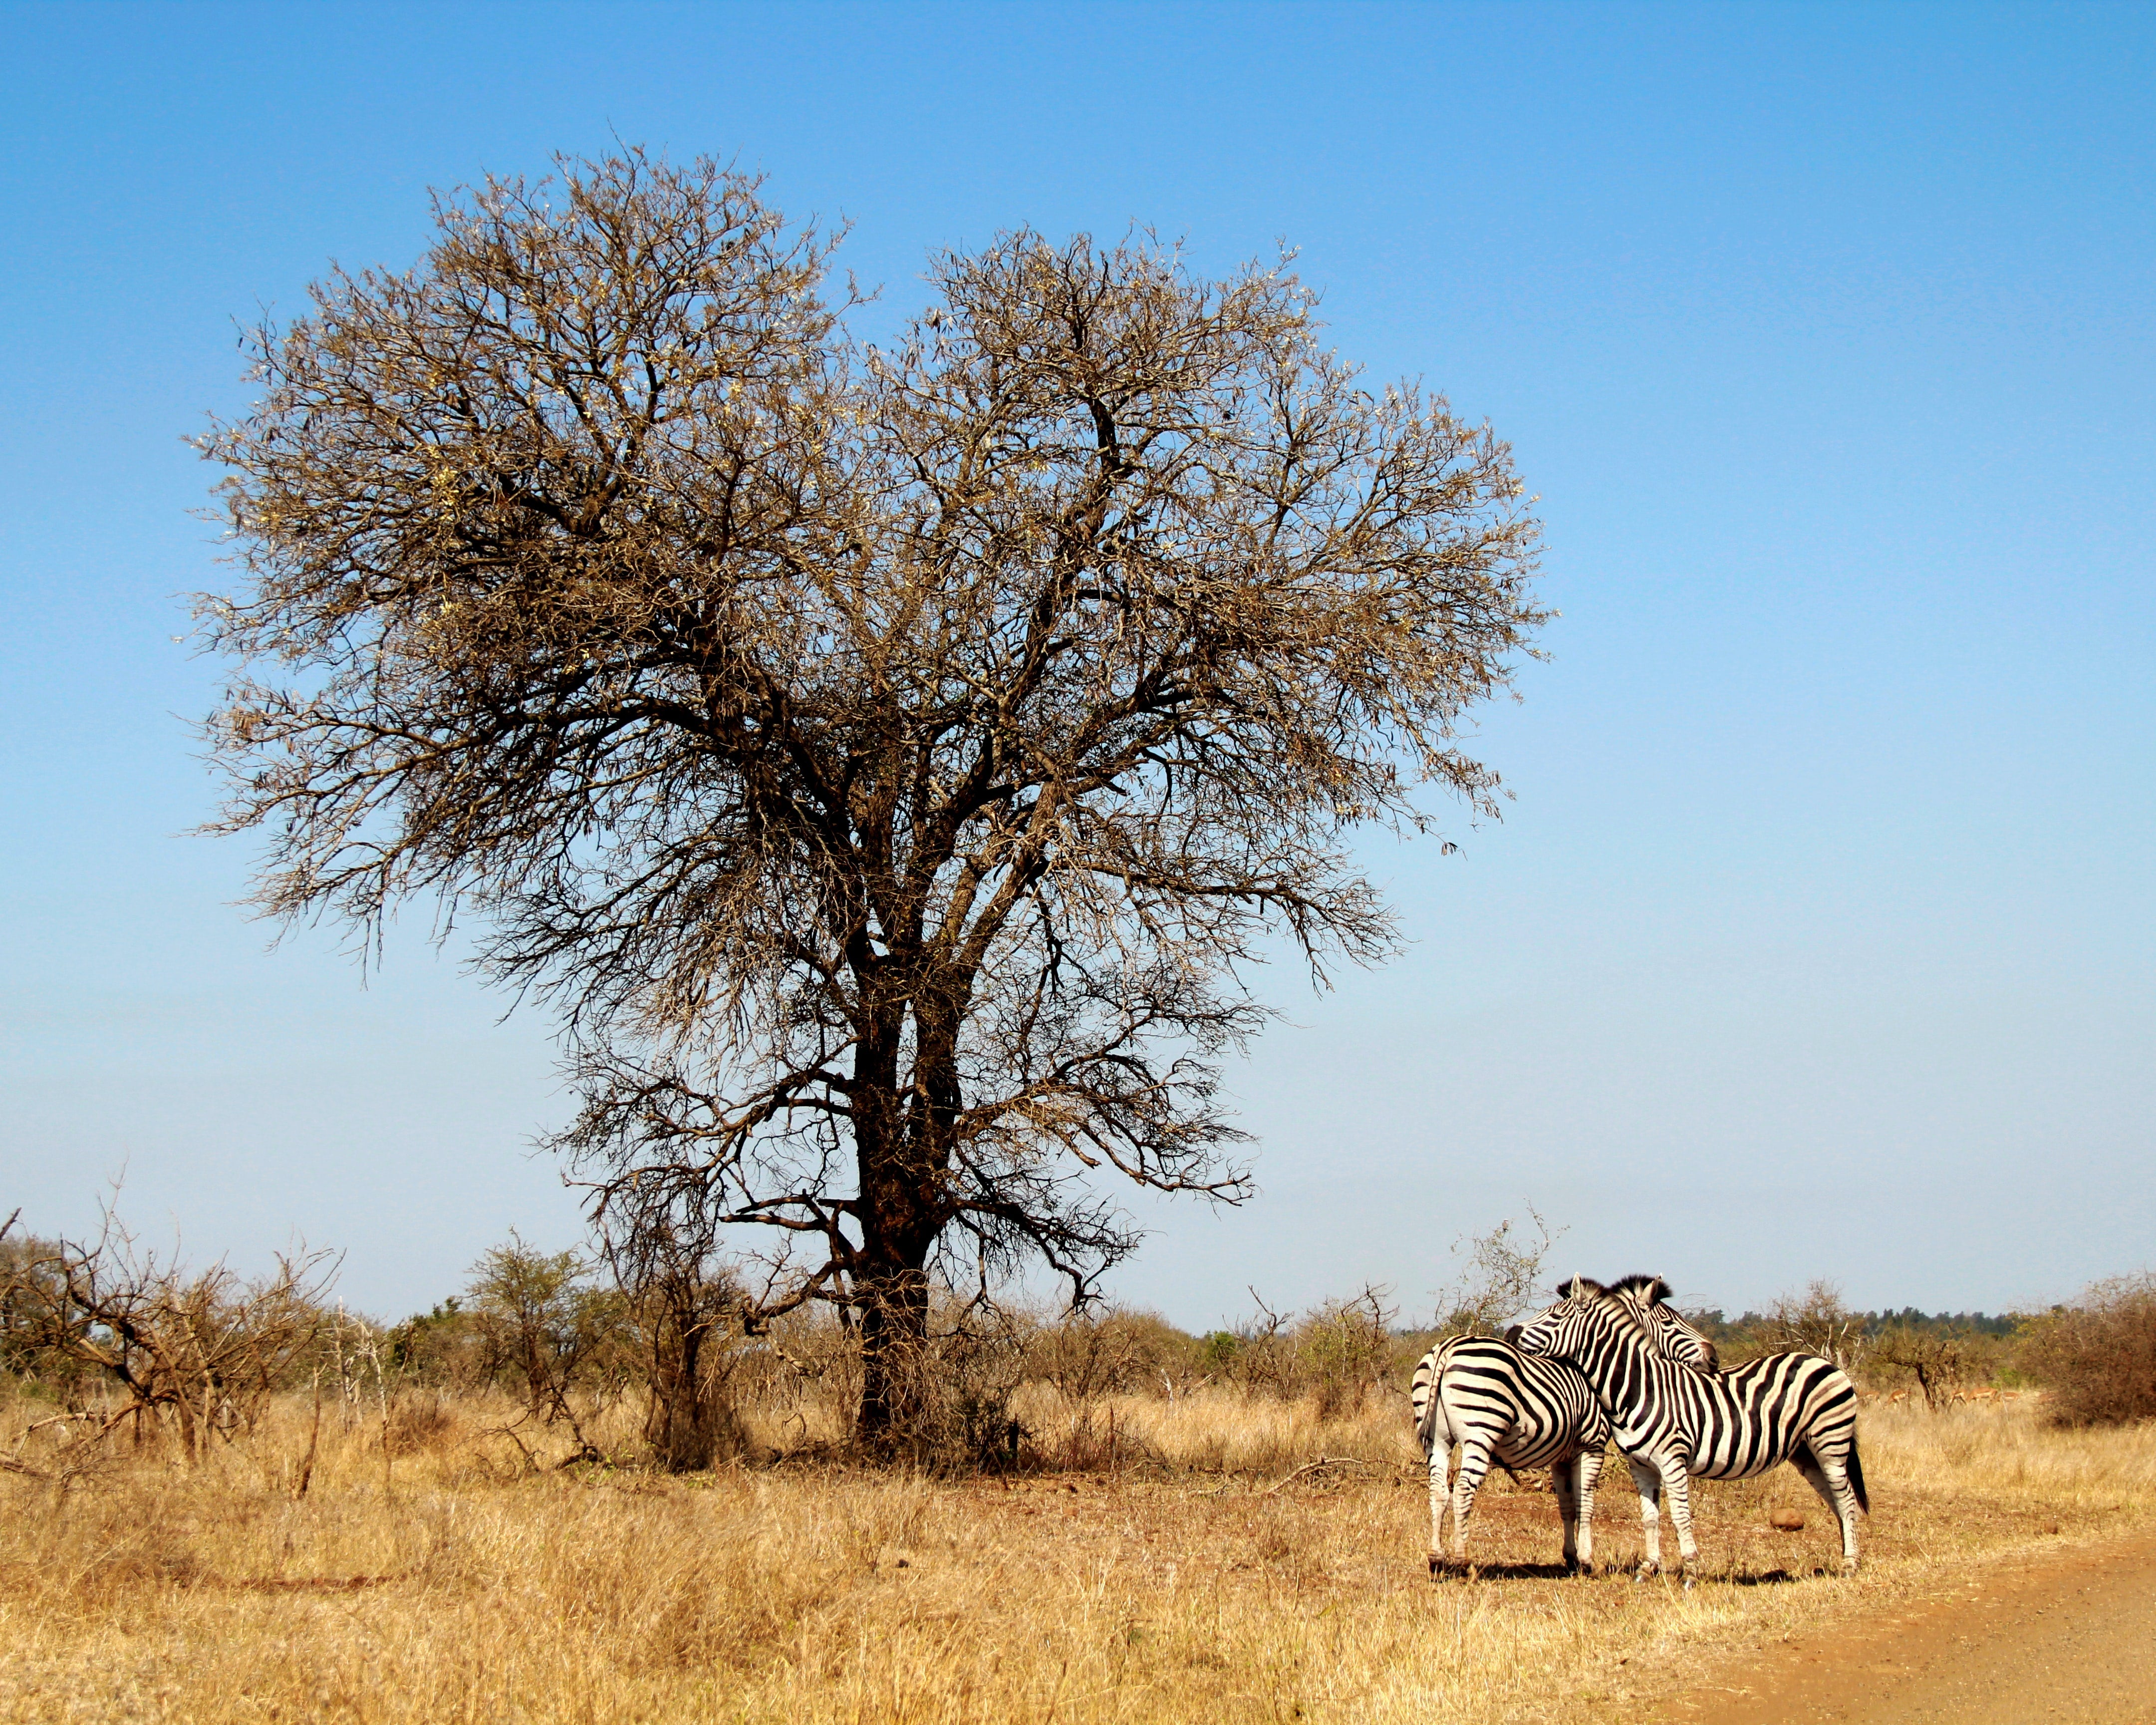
(1724, 1331)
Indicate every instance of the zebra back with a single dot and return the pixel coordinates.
(1533, 1411)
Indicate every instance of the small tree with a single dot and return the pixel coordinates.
(1499, 1278)
(1931, 1353)
(890, 762)
(544, 1324)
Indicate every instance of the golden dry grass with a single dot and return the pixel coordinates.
(463, 1588)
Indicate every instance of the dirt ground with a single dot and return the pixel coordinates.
(2064, 1638)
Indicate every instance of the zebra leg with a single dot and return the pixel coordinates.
(1440, 1494)
(1474, 1463)
(1590, 1473)
(1677, 1481)
(1566, 1482)
(1649, 1481)
(1830, 1480)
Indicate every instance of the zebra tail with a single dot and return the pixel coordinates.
(1431, 1426)
(1856, 1476)
(1433, 1429)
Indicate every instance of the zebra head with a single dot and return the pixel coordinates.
(1669, 1332)
(1585, 1312)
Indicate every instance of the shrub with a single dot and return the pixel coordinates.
(2098, 1358)
(200, 1350)
(1087, 1355)
(1346, 1348)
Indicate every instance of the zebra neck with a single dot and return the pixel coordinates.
(1625, 1364)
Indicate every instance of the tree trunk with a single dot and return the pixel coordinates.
(676, 1427)
(903, 1157)
(896, 1392)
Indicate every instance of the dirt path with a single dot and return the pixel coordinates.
(2058, 1639)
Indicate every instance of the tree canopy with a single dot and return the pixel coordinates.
(888, 761)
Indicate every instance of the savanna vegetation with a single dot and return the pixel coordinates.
(590, 1490)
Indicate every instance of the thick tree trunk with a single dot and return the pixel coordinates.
(902, 1180)
(898, 1388)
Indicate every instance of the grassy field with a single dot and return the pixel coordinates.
(1197, 1579)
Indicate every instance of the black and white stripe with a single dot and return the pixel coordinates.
(1499, 1405)
(1673, 1422)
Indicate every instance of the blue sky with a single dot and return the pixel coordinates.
(1818, 941)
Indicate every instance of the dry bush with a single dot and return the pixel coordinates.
(2098, 1358)
(1498, 1277)
(130, 1336)
(685, 1321)
(1087, 1355)
(420, 1422)
(1347, 1350)
(1941, 1357)
(1338, 1354)
(1817, 1322)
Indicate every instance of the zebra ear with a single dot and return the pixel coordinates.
(1659, 1291)
(1568, 1290)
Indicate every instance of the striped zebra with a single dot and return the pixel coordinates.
(1672, 1423)
(1499, 1405)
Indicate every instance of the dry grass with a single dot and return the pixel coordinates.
(466, 1587)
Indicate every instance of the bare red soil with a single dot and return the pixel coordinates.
(2057, 1638)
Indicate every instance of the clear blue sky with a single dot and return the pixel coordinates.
(1818, 942)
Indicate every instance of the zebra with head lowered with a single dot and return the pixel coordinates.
(1499, 1405)
(1672, 1422)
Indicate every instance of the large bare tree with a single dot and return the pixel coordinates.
(889, 762)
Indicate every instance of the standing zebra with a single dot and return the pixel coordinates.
(1672, 1422)
(1500, 1404)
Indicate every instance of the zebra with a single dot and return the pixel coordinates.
(1672, 1423)
(1498, 1404)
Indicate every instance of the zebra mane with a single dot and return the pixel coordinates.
(1652, 1288)
(1610, 1301)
